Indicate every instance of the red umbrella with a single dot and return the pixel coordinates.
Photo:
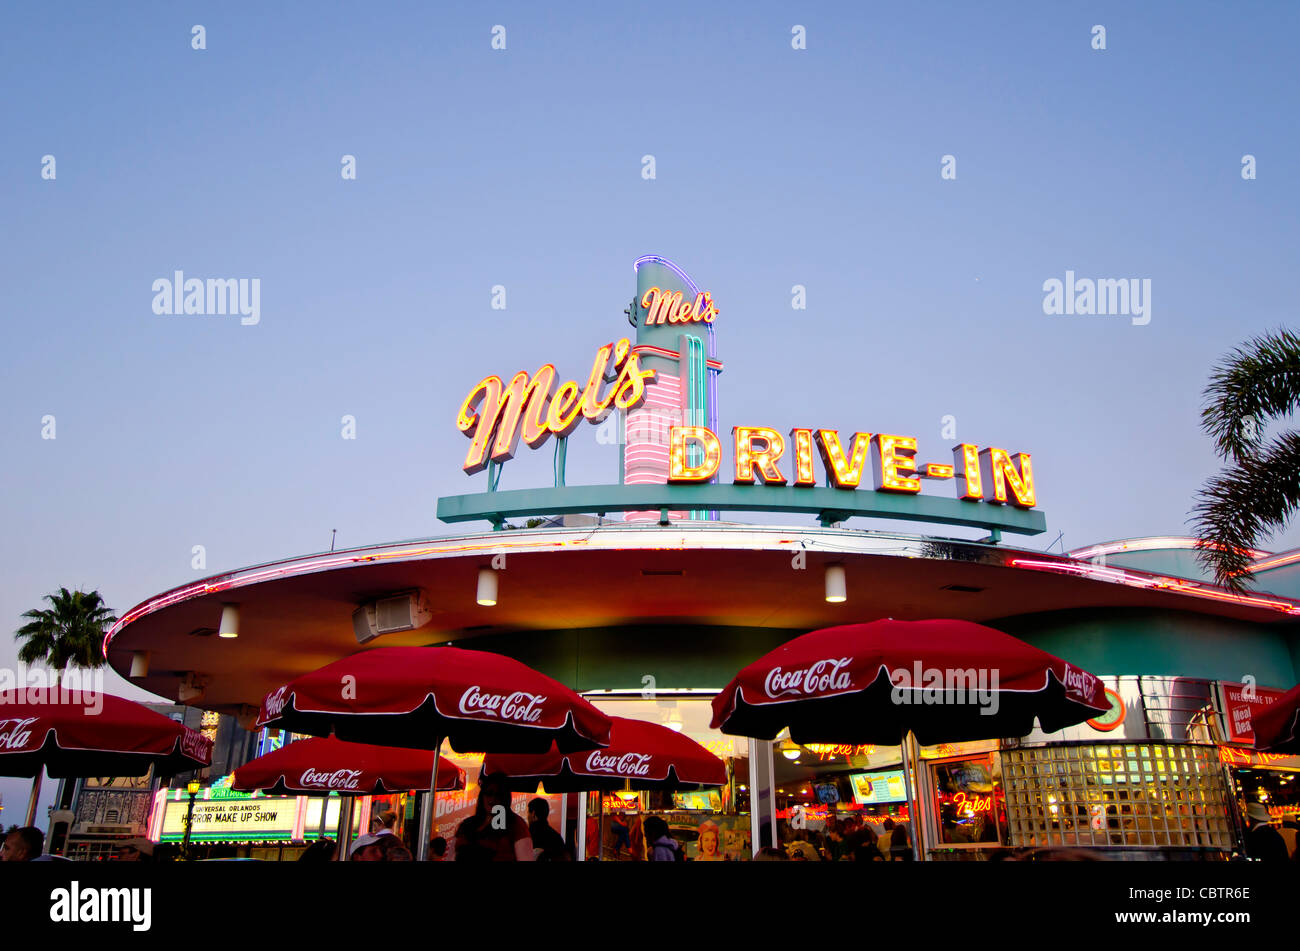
(83, 733)
(323, 765)
(1277, 726)
(944, 680)
(416, 696)
(640, 755)
(107, 737)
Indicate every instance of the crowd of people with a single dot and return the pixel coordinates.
(495, 833)
(850, 839)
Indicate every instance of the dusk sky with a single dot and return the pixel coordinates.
(523, 167)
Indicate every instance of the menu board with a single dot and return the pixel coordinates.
(887, 786)
(708, 799)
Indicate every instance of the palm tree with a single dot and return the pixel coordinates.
(71, 631)
(1256, 495)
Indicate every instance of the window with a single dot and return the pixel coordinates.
(972, 808)
(1131, 794)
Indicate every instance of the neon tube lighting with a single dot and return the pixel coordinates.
(656, 259)
(1276, 562)
(1181, 542)
(1139, 580)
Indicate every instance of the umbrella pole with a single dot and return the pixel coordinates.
(344, 831)
(914, 815)
(35, 797)
(431, 806)
(584, 801)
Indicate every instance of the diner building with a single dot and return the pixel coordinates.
(649, 616)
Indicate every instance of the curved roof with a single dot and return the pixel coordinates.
(296, 614)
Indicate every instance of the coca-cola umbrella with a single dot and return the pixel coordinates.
(640, 755)
(417, 697)
(84, 733)
(321, 765)
(327, 764)
(1277, 726)
(944, 681)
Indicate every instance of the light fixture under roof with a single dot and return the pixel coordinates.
(836, 586)
(229, 621)
(487, 587)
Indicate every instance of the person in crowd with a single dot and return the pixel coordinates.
(800, 849)
(22, 845)
(900, 844)
(834, 837)
(886, 837)
(494, 833)
(769, 854)
(322, 850)
(438, 850)
(622, 834)
(663, 847)
(866, 848)
(547, 844)
(394, 849)
(367, 848)
(387, 823)
(1263, 842)
(135, 850)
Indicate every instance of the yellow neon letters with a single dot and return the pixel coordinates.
(494, 415)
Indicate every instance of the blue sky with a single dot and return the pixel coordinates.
(522, 167)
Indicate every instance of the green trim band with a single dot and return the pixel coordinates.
(831, 505)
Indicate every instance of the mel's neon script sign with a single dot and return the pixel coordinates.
(495, 414)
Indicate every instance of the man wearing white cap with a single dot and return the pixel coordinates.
(367, 848)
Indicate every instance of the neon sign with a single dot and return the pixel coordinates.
(673, 468)
(1239, 757)
(667, 307)
(968, 806)
(838, 749)
(991, 474)
(494, 415)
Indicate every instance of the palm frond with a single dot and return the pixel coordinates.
(1239, 508)
(71, 630)
(1257, 382)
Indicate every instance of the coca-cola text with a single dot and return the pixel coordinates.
(520, 707)
(825, 676)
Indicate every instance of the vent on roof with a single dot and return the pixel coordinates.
(662, 572)
(964, 588)
(203, 632)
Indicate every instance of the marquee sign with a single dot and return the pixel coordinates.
(665, 382)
